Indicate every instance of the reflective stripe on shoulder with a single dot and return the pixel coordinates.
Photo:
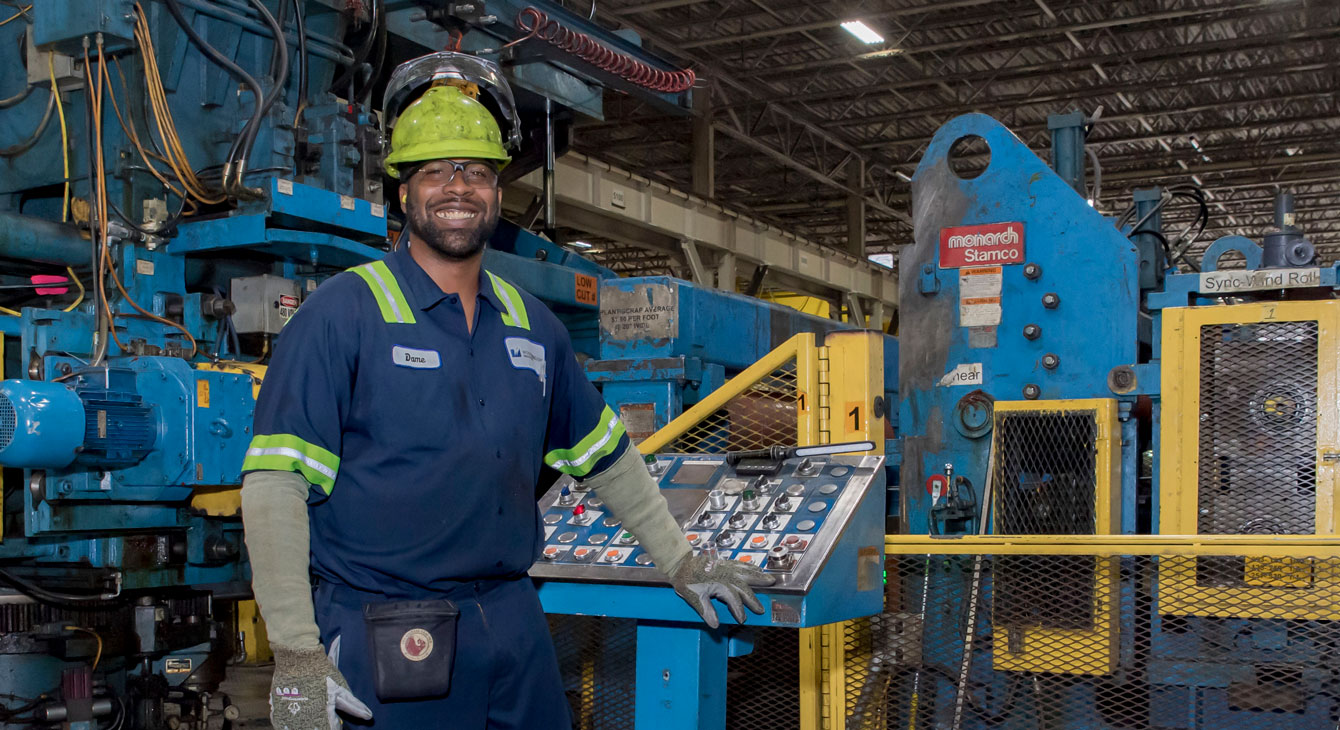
(390, 300)
(286, 452)
(515, 316)
(579, 460)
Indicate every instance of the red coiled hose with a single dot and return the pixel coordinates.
(536, 24)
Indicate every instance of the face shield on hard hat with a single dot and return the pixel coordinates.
(412, 78)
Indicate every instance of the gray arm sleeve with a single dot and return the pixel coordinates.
(274, 517)
(632, 495)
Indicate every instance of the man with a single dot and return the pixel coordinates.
(400, 433)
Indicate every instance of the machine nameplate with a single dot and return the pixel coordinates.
(992, 243)
(1218, 282)
(648, 312)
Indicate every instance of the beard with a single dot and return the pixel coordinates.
(452, 243)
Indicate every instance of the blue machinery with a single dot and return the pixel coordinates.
(182, 206)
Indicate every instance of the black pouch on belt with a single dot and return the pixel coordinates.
(413, 644)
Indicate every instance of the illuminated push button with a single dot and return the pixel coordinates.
(626, 538)
(582, 553)
(552, 519)
(746, 559)
(612, 556)
(643, 559)
(805, 525)
(566, 497)
(795, 490)
(579, 516)
(567, 537)
(750, 500)
(550, 552)
(791, 541)
(758, 541)
(694, 538)
(828, 489)
(716, 499)
(771, 522)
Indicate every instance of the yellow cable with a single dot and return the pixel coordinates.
(135, 138)
(10, 312)
(96, 657)
(17, 15)
(167, 128)
(64, 137)
(77, 283)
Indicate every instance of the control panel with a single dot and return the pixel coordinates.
(786, 515)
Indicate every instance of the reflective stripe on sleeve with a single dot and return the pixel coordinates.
(579, 460)
(286, 452)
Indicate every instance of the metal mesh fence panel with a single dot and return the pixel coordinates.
(1164, 646)
(1258, 428)
(1044, 472)
(597, 658)
(760, 417)
(761, 687)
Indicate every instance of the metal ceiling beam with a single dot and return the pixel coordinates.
(1071, 96)
(1041, 32)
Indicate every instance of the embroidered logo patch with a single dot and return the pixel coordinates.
(527, 355)
(416, 645)
(408, 357)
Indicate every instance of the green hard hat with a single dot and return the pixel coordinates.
(445, 123)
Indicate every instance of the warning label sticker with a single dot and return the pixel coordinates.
(586, 289)
(979, 312)
(969, 373)
(981, 281)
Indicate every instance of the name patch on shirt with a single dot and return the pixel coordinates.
(527, 355)
(408, 357)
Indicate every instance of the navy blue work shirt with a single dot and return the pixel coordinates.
(424, 440)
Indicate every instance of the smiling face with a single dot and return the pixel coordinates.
(453, 205)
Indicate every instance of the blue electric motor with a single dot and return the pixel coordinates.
(94, 418)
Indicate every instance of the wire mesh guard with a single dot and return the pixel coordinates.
(597, 658)
(1258, 428)
(762, 416)
(1138, 662)
(1045, 472)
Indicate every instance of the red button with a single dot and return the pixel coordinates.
(612, 554)
(759, 540)
(550, 550)
(578, 510)
(746, 558)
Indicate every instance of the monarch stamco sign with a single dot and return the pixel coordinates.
(991, 243)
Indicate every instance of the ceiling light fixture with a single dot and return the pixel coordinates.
(862, 32)
(580, 244)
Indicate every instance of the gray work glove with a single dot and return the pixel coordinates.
(700, 578)
(307, 690)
